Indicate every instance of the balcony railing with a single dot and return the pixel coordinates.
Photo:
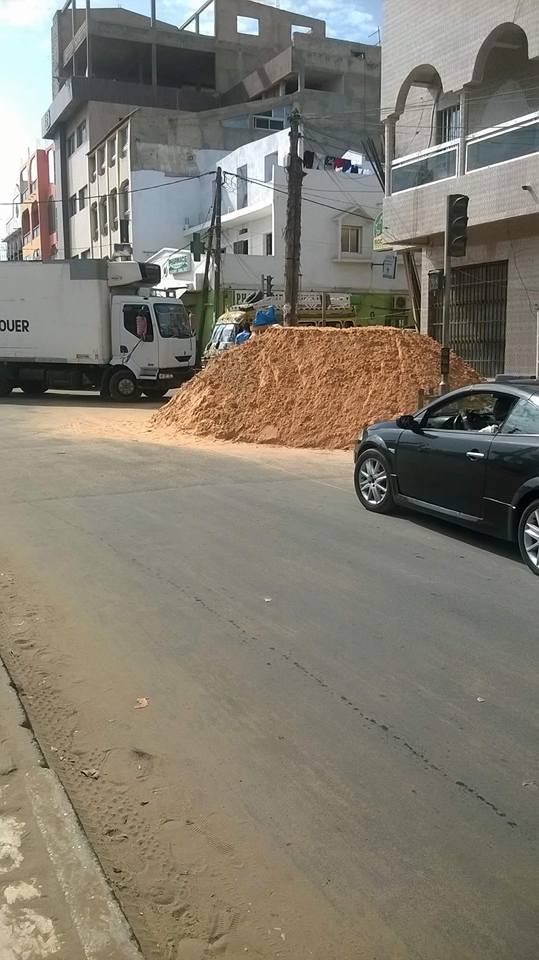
(428, 166)
(507, 141)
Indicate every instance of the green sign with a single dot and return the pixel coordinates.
(379, 241)
(180, 263)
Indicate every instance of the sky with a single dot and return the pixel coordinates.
(25, 71)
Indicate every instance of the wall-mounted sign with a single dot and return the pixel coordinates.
(180, 263)
(389, 267)
(379, 241)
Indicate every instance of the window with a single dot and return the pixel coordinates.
(297, 28)
(83, 197)
(473, 412)
(524, 418)
(249, 25)
(350, 240)
(270, 161)
(71, 144)
(85, 255)
(52, 171)
(94, 226)
(111, 149)
(81, 133)
(138, 322)
(267, 121)
(122, 141)
(268, 244)
(72, 205)
(101, 160)
(92, 168)
(449, 123)
(51, 208)
(172, 319)
(103, 215)
(228, 333)
(241, 246)
(124, 200)
(113, 209)
(242, 192)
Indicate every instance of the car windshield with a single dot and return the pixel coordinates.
(172, 320)
(216, 333)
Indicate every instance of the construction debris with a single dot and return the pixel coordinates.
(309, 387)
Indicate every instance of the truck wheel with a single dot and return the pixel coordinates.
(123, 386)
(33, 388)
(156, 393)
(6, 384)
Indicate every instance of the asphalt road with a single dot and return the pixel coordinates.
(359, 692)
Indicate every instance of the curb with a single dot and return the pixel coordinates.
(94, 912)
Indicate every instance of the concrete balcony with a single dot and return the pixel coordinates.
(491, 166)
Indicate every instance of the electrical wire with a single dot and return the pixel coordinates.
(507, 94)
(115, 193)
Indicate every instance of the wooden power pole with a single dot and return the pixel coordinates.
(293, 223)
(217, 275)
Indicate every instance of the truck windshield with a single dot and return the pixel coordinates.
(172, 320)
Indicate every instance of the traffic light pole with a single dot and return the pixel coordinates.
(456, 224)
(446, 309)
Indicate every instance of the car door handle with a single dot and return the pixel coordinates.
(475, 455)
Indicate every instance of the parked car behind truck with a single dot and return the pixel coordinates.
(91, 324)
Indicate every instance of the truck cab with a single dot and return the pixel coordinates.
(152, 339)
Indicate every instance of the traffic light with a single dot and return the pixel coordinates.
(197, 247)
(457, 223)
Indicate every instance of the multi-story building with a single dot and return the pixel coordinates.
(13, 236)
(38, 206)
(460, 103)
(195, 92)
(338, 212)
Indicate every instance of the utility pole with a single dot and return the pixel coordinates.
(293, 223)
(217, 273)
(205, 285)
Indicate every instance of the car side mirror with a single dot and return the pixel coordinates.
(407, 422)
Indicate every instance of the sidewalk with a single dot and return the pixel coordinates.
(54, 899)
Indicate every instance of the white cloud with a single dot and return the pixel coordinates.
(26, 13)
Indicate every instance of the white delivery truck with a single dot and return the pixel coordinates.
(91, 324)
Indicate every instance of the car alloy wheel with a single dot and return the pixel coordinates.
(531, 537)
(373, 481)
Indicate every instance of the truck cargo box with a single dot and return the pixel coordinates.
(55, 312)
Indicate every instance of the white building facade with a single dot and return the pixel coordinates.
(460, 96)
(338, 211)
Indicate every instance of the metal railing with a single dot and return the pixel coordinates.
(426, 166)
(506, 141)
(511, 140)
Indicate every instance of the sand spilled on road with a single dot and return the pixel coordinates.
(308, 387)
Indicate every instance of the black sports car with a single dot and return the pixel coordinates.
(471, 456)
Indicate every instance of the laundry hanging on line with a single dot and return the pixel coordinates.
(312, 161)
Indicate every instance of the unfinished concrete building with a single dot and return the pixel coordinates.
(232, 84)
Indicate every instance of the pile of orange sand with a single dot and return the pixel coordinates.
(309, 387)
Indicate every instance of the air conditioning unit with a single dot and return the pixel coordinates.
(400, 303)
